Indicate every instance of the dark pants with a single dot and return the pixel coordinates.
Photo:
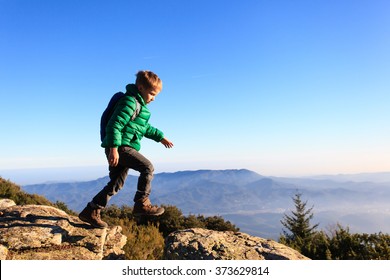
(128, 158)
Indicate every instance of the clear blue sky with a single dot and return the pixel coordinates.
(279, 87)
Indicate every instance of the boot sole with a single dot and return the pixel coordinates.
(148, 215)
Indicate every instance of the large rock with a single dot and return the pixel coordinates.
(37, 232)
(203, 244)
(5, 203)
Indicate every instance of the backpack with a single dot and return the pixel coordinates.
(110, 110)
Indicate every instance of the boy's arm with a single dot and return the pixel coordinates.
(153, 133)
(121, 116)
(158, 136)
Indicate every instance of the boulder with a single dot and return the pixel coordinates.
(203, 244)
(5, 203)
(38, 232)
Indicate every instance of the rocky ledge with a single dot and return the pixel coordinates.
(203, 244)
(37, 232)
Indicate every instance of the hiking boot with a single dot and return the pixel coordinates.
(143, 207)
(91, 216)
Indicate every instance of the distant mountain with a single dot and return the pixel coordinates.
(253, 202)
(377, 177)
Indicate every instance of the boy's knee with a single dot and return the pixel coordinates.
(149, 174)
(149, 168)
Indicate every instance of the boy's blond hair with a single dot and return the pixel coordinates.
(148, 80)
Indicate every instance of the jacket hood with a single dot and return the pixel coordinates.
(131, 89)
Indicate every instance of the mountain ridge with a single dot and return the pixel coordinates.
(248, 199)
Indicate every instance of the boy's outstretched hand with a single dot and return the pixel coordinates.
(167, 143)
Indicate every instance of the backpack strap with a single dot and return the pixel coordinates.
(137, 108)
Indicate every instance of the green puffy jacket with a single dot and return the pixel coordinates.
(121, 131)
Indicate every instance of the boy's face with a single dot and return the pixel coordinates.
(148, 94)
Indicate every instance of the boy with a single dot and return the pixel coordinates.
(122, 143)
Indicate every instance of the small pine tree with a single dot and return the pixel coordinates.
(298, 225)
